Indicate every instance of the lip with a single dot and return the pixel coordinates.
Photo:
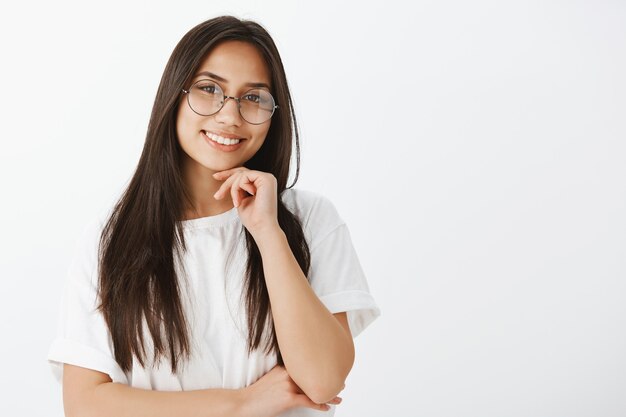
(223, 134)
(219, 146)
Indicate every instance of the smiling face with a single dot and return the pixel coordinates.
(235, 66)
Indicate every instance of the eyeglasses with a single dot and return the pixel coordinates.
(206, 97)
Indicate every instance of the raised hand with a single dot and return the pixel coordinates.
(254, 193)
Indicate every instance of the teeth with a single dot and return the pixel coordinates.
(219, 139)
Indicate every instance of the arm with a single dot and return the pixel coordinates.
(316, 346)
(89, 393)
(317, 349)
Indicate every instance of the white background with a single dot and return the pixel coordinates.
(475, 149)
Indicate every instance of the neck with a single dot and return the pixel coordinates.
(201, 186)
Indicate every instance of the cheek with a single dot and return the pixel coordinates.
(185, 127)
(261, 139)
(262, 133)
(181, 135)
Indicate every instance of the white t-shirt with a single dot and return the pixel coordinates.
(213, 301)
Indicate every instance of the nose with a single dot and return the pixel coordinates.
(229, 113)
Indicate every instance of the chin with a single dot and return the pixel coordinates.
(220, 166)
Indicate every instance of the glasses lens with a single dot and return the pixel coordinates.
(257, 106)
(205, 97)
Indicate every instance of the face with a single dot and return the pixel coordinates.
(233, 65)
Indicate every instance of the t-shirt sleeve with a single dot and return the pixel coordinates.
(82, 336)
(336, 274)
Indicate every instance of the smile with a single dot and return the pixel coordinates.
(221, 140)
(222, 144)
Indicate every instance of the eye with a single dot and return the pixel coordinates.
(208, 88)
(252, 97)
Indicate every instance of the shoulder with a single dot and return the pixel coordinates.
(311, 207)
(316, 212)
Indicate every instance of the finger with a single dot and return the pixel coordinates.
(336, 400)
(224, 174)
(245, 188)
(235, 190)
(247, 185)
(228, 172)
(220, 192)
(249, 188)
(305, 401)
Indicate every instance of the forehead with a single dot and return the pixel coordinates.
(236, 61)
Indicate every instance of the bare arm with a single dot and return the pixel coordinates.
(89, 393)
(316, 346)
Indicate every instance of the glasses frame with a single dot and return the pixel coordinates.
(237, 99)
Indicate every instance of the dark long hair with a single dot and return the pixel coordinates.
(137, 278)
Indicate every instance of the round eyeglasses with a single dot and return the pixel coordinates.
(206, 97)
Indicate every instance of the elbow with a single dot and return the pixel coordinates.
(324, 394)
(323, 390)
(328, 381)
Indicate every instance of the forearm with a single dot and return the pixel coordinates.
(317, 351)
(119, 400)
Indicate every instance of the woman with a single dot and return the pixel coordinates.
(211, 288)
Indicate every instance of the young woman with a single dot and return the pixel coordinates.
(211, 288)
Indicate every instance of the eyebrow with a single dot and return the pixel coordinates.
(218, 78)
